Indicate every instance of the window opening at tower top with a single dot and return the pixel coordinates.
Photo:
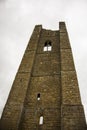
(47, 46)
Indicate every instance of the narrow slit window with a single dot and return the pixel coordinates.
(38, 96)
(47, 46)
(41, 120)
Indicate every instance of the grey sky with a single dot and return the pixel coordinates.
(17, 20)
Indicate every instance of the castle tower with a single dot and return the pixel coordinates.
(45, 93)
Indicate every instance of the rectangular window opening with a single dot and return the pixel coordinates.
(38, 96)
(41, 120)
(49, 48)
(45, 48)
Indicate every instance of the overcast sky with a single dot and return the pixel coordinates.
(17, 21)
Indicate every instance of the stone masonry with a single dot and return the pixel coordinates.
(45, 86)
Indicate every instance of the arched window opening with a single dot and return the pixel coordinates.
(38, 96)
(41, 120)
(47, 46)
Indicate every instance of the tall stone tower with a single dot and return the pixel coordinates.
(45, 93)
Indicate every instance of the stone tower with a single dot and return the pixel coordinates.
(45, 93)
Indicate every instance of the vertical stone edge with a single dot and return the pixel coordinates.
(12, 112)
(72, 112)
(68, 72)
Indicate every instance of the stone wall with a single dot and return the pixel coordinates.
(72, 113)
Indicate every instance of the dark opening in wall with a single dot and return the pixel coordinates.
(38, 96)
(47, 46)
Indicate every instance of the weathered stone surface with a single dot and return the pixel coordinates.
(46, 64)
(70, 90)
(66, 60)
(72, 117)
